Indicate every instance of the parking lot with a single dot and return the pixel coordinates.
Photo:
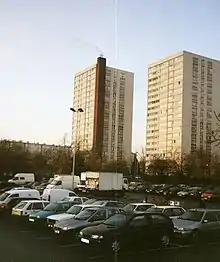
(25, 244)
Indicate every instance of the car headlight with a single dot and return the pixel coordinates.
(81, 233)
(180, 228)
(38, 216)
(96, 237)
(65, 228)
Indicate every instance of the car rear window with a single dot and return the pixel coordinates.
(155, 209)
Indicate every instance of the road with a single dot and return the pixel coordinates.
(19, 244)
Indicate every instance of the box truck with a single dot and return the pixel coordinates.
(103, 183)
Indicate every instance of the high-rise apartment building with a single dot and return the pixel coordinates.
(106, 96)
(183, 94)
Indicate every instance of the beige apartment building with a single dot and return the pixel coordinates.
(183, 93)
(105, 95)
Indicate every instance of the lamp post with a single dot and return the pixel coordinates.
(79, 110)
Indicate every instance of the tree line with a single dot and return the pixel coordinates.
(15, 159)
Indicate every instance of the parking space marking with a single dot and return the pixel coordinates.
(25, 231)
(70, 245)
(44, 238)
(96, 257)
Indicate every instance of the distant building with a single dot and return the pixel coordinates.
(105, 95)
(183, 94)
(39, 148)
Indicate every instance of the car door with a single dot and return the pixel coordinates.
(138, 233)
(210, 225)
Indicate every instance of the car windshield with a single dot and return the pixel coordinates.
(192, 215)
(116, 220)
(129, 208)
(52, 207)
(85, 214)
(155, 209)
(4, 196)
(21, 205)
(74, 210)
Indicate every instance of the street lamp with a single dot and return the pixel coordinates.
(79, 110)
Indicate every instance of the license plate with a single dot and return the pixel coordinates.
(16, 213)
(31, 219)
(84, 240)
(57, 231)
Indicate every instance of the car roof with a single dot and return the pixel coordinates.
(141, 204)
(35, 201)
(168, 207)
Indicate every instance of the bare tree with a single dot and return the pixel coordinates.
(215, 133)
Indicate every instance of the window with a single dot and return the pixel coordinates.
(77, 201)
(22, 178)
(14, 195)
(143, 207)
(210, 217)
(100, 215)
(112, 212)
(37, 206)
(139, 221)
(168, 212)
(158, 218)
(177, 211)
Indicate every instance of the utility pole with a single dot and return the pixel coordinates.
(79, 110)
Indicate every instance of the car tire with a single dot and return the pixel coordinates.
(165, 240)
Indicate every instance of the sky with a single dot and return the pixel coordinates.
(44, 43)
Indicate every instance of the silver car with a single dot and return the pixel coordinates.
(199, 223)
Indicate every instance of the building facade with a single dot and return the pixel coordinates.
(105, 95)
(183, 94)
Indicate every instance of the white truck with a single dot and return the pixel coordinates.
(103, 183)
(22, 178)
(64, 181)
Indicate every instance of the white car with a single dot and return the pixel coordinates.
(170, 211)
(71, 213)
(26, 207)
(138, 207)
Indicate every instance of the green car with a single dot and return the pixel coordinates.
(40, 218)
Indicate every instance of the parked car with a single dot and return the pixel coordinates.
(11, 198)
(69, 214)
(170, 211)
(138, 207)
(76, 199)
(109, 203)
(67, 229)
(197, 224)
(40, 218)
(211, 195)
(129, 231)
(25, 208)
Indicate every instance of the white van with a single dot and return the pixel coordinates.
(11, 198)
(54, 195)
(22, 178)
(64, 182)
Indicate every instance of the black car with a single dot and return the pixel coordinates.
(90, 216)
(129, 231)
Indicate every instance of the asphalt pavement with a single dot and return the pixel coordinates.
(21, 244)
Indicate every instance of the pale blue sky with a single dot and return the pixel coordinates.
(44, 42)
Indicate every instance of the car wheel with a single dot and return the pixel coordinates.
(165, 240)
